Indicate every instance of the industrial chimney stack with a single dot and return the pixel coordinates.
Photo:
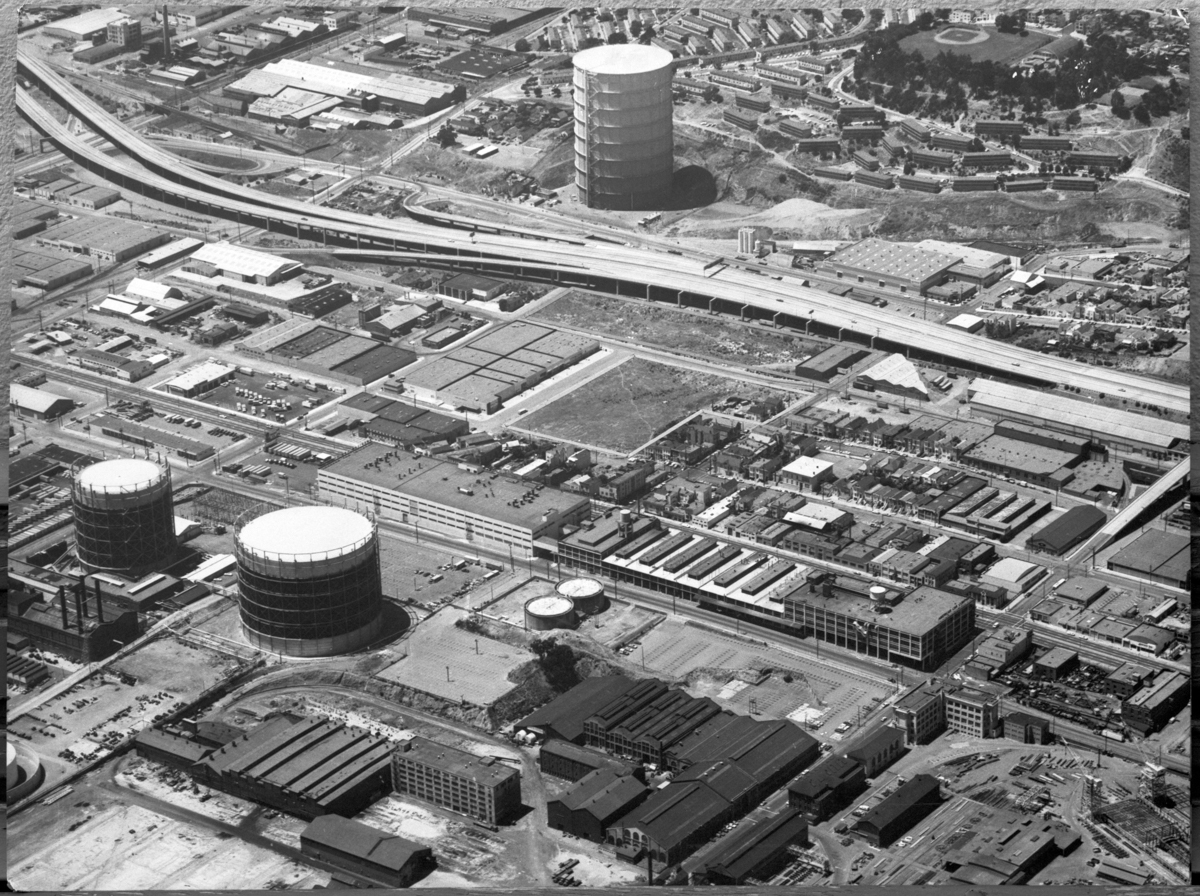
(166, 35)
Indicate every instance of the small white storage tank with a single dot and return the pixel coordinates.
(24, 773)
(546, 613)
(624, 138)
(586, 595)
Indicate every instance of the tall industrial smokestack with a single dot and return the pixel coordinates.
(99, 604)
(62, 603)
(166, 35)
(79, 611)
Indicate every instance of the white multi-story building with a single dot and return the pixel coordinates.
(435, 496)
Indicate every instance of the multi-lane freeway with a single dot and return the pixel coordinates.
(151, 169)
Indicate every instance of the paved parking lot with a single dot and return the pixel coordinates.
(455, 664)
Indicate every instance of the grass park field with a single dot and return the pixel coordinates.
(1002, 48)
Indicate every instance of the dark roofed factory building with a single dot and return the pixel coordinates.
(594, 803)
(304, 766)
(371, 857)
(826, 787)
(882, 825)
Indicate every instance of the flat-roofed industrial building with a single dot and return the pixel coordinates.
(1127, 679)
(1158, 556)
(1117, 429)
(1154, 705)
(1056, 663)
(103, 238)
(902, 266)
(468, 287)
(440, 497)
(90, 25)
(477, 786)
(498, 365)
(359, 86)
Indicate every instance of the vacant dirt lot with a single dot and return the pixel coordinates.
(818, 690)
(1046, 217)
(687, 332)
(125, 847)
(628, 406)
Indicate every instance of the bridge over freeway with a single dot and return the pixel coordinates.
(1174, 479)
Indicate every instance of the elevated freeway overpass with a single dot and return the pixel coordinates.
(656, 276)
(1174, 479)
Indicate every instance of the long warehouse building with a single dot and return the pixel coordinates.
(306, 766)
(920, 629)
(1113, 428)
(355, 85)
(440, 497)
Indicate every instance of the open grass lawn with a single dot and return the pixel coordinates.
(629, 405)
(220, 160)
(1003, 48)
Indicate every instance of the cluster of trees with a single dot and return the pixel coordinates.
(1156, 102)
(557, 662)
(1011, 24)
(941, 86)
(927, 19)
